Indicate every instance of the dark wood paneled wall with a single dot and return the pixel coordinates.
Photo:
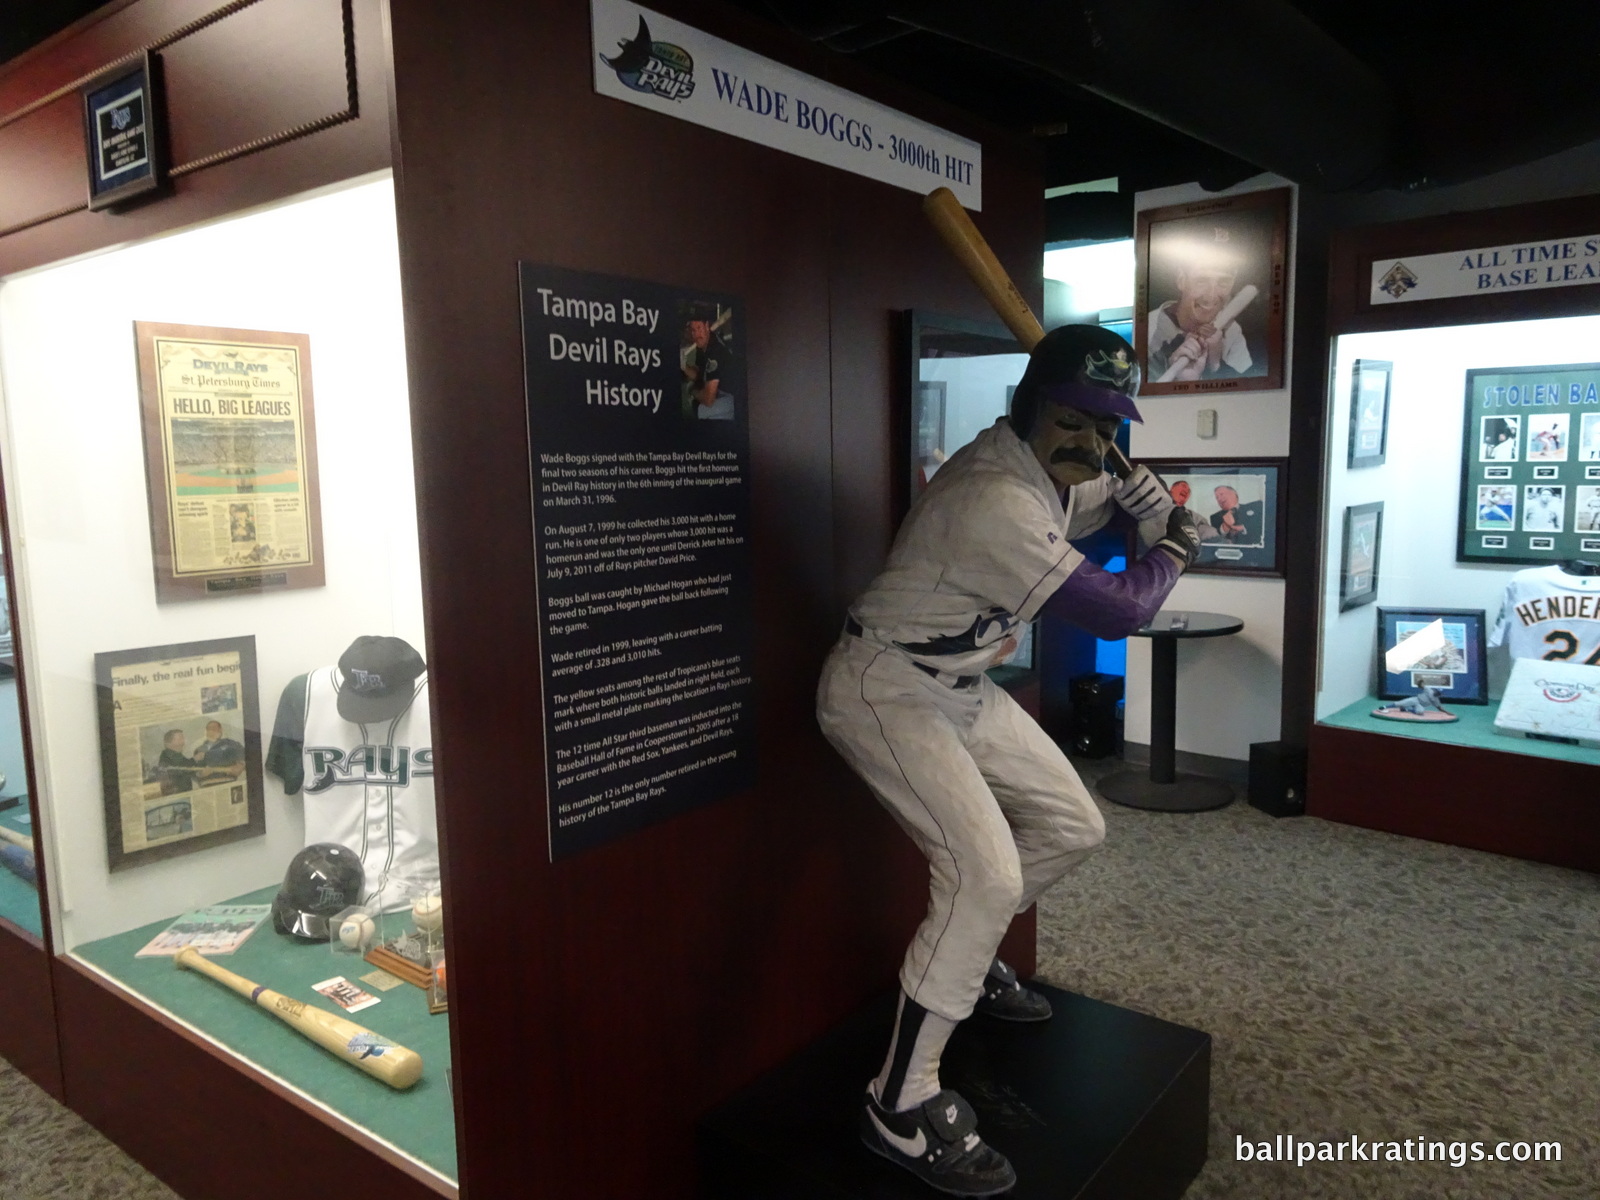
(261, 106)
(603, 1003)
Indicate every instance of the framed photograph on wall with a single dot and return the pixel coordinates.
(1454, 665)
(1363, 547)
(1238, 503)
(1211, 282)
(230, 461)
(180, 748)
(1369, 412)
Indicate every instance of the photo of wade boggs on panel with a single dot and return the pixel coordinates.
(1208, 313)
(706, 361)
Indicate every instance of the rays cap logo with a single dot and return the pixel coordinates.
(378, 677)
(646, 65)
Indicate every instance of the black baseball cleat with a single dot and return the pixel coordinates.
(938, 1142)
(1003, 996)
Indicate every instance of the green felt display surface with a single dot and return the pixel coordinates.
(1475, 728)
(19, 900)
(419, 1121)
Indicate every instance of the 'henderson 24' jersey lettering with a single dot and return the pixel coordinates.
(368, 787)
(1549, 614)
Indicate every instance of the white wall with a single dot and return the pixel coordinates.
(326, 266)
(1229, 689)
(1420, 482)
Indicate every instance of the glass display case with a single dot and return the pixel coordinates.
(1461, 574)
(209, 482)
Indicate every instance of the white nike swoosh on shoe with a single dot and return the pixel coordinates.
(911, 1147)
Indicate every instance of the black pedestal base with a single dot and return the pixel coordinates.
(1186, 793)
(1098, 1103)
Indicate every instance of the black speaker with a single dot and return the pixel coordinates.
(1093, 728)
(1278, 778)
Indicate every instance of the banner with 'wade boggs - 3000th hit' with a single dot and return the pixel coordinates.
(638, 422)
(648, 59)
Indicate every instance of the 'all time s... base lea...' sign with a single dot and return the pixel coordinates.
(1488, 270)
(664, 65)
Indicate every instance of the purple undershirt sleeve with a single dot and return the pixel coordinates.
(1112, 606)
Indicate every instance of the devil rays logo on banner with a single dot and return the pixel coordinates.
(650, 66)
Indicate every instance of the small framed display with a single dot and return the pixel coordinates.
(1456, 667)
(230, 461)
(1238, 503)
(1369, 412)
(1363, 547)
(180, 748)
(122, 125)
(1209, 291)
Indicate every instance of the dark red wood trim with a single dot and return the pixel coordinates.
(1353, 251)
(28, 1032)
(244, 154)
(155, 1088)
(1543, 809)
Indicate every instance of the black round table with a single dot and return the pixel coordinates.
(1163, 789)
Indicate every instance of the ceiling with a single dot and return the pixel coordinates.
(1338, 95)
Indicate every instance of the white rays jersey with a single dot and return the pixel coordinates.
(367, 786)
(980, 552)
(1549, 614)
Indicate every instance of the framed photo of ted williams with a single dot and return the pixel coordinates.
(1210, 285)
(1239, 507)
(230, 460)
(180, 748)
(1358, 563)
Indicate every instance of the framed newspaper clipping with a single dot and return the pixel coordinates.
(180, 748)
(231, 460)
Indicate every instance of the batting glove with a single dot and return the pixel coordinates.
(1142, 495)
(1183, 537)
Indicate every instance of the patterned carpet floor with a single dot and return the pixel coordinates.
(1354, 983)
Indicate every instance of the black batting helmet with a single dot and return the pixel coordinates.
(322, 881)
(1087, 367)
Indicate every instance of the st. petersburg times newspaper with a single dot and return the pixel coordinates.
(233, 431)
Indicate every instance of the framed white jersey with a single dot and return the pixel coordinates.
(367, 786)
(1549, 614)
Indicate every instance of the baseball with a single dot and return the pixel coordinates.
(428, 914)
(356, 931)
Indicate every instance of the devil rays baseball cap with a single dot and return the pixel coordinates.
(380, 675)
(1087, 367)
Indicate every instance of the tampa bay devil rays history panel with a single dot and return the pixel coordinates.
(638, 423)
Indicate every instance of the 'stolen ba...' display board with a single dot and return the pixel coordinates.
(638, 423)
(1530, 468)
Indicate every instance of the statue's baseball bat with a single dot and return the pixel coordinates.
(1226, 317)
(360, 1047)
(984, 269)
